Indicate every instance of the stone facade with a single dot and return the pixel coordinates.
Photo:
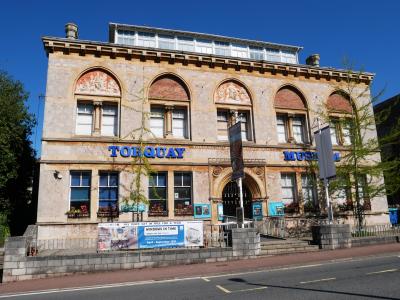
(124, 76)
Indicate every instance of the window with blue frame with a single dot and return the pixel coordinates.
(108, 193)
(80, 182)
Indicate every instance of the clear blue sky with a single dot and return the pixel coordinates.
(367, 32)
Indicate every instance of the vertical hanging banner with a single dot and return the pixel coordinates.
(236, 150)
(326, 163)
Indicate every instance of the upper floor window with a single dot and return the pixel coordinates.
(257, 53)
(185, 44)
(84, 119)
(204, 46)
(166, 42)
(340, 114)
(222, 48)
(170, 103)
(97, 94)
(80, 183)
(239, 51)
(146, 39)
(291, 116)
(235, 105)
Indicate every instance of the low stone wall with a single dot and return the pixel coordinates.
(19, 266)
(332, 236)
(366, 241)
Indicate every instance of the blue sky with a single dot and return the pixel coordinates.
(367, 32)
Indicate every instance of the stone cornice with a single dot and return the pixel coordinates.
(83, 47)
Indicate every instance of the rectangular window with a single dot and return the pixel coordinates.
(179, 123)
(245, 124)
(108, 192)
(183, 193)
(346, 133)
(166, 42)
(298, 129)
(334, 137)
(222, 125)
(221, 48)
(288, 188)
(80, 192)
(308, 188)
(204, 46)
(340, 193)
(185, 44)
(84, 119)
(109, 120)
(146, 39)
(288, 57)
(239, 51)
(257, 53)
(281, 128)
(273, 55)
(158, 194)
(157, 121)
(126, 37)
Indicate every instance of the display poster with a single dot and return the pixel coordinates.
(202, 211)
(257, 211)
(276, 209)
(145, 235)
(220, 211)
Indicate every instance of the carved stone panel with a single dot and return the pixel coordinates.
(97, 83)
(232, 93)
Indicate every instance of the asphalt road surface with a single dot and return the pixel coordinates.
(364, 278)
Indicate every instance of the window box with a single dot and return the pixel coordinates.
(185, 211)
(292, 208)
(155, 213)
(77, 215)
(108, 212)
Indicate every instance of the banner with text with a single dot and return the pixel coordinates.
(145, 235)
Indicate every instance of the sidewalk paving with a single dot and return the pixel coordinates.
(193, 270)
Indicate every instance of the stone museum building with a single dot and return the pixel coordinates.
(184, 89)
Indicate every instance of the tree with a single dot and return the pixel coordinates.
(17, 156)
(360, 168)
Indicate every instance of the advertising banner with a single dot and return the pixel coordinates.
(236, 150)
(326, 163)
(145, 235)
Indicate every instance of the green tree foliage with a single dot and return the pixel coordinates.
(360, 170)
(17, 156)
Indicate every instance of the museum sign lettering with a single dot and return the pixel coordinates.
(305, 155)
(148, 151)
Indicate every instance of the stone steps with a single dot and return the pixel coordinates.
(273, 247)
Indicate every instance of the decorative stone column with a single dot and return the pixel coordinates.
(97, 118)
(168, 121)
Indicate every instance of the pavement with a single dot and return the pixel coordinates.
(185, 273)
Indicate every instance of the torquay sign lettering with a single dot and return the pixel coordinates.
(305, 155)
(148, 151)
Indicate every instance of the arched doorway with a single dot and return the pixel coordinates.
(231, 200)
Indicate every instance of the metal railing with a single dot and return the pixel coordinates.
(379, 230)
(281, 227)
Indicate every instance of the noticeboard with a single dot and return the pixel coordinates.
(236, 150)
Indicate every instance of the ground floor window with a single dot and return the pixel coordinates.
(80, 182)
(108, 194)
(183, 193)
(158, 194)
(309, 191)
(288, 186)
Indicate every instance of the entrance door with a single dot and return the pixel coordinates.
(231, 200)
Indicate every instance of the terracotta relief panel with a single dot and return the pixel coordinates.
(168, 88)
(97, 83)
(232, 93)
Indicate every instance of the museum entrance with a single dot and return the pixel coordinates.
(231, 200)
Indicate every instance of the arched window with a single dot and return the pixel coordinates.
(233, 103)
(98, 96)
(291, 116)
(169, 105)
(340, 112)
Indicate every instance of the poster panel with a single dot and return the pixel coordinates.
(147, 235)
(257, 211)
(236, 150)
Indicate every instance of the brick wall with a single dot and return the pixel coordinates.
(288, 98)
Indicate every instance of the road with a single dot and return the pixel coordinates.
(375, 277)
